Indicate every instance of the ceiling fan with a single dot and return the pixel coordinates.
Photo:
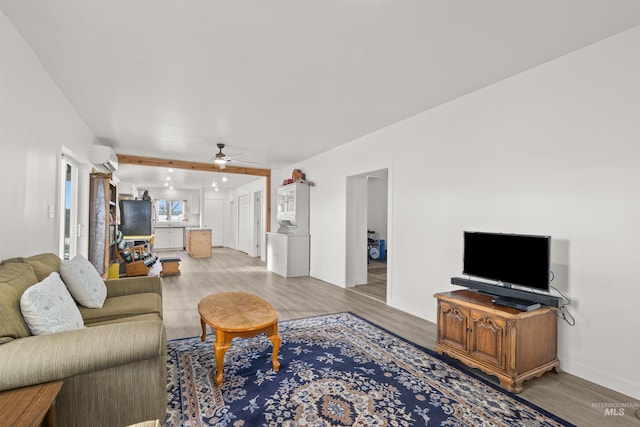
(222, 159)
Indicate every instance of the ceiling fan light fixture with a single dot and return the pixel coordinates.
(220, 161)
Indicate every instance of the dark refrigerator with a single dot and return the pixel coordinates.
(135, 217)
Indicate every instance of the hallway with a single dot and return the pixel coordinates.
(376, 286)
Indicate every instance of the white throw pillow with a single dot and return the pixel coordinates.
(84, 282)
(47, 307)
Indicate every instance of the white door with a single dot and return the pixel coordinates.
(257, 223)
(214, 219)
(233, 225)
(69, 227)
(244, 223)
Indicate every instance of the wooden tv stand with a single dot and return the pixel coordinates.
(511, 344)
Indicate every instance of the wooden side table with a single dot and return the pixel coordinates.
(30, 406)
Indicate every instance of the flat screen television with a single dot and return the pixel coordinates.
(513, 259)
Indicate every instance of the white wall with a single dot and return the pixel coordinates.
(36, 121)
(551, 151)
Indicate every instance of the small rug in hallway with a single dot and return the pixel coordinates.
(335, 370)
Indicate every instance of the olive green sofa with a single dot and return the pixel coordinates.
(114, 369)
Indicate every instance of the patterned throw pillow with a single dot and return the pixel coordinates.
(120, 241)
(84, 282)
(126, 254)
(47, 307)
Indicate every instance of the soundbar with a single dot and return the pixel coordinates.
(488, 288)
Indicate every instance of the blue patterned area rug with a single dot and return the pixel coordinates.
(335, 370)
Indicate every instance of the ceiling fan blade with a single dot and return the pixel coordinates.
(243, 161)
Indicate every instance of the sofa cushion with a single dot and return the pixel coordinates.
(44, 264)
(136, 318)
(83, 281)
(15, 278)
(124, 306)
(47, 307)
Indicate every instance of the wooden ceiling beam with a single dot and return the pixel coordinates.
(129, 159)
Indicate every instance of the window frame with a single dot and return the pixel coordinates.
(170, 215)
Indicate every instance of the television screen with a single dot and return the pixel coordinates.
(509, 258)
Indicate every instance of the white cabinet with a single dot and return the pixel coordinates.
(293, 208)
(288, 254)
(169, 238)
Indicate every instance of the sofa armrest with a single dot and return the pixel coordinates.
(133, 285)
(44, 358)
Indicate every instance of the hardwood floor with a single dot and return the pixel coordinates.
(376, 286)
(565, 395)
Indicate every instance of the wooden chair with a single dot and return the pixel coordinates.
(133, 262)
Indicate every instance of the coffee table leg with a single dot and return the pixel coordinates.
(220, 347)
(275, 340)
(204, 329)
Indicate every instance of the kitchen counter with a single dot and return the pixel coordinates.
(197, 241)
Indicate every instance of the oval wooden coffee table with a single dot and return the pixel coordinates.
(238, 314)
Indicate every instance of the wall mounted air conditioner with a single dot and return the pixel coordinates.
(104, 157)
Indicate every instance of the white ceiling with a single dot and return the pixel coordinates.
(281, 81)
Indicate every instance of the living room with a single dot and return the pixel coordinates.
(551, 149)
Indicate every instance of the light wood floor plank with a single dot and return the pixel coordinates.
(565, 395)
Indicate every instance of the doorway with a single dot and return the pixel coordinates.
(69, 224)
(244, 224)
(368, 207)
(257, 221)
(214, 219)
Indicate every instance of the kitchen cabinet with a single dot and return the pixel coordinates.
(293, 208)
(288, 254)
(102, 221)
(510, 344)
(198, 242)
(169, 238)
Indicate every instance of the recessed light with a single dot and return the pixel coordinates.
(168, 178)
(213, 184)
(166, 184)
(170, 170)
(215, 189)
(171, 188)
(224, 178)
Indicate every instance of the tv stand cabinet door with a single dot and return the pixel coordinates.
(487, 338)
(453, 329)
